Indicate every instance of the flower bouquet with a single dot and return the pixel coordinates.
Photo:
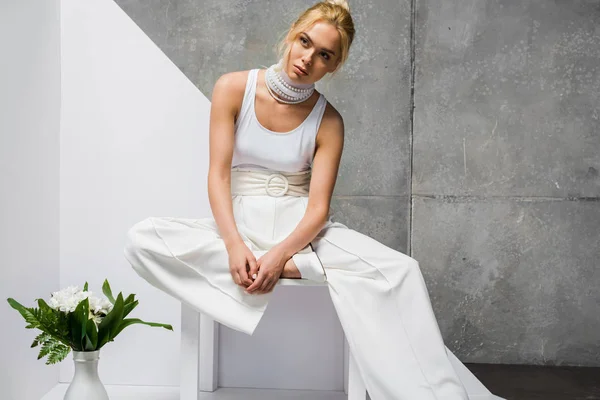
(76, 319)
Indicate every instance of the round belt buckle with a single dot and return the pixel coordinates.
(281, 192)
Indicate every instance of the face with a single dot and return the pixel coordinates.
(312, 51)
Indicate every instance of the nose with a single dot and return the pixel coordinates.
(307, 59)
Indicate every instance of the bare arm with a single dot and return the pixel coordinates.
(222, 116)
(227, 93)
(329, 146)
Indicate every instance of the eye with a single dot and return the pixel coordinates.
(304, 41)
(326, 55)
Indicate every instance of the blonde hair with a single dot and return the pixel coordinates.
(334, 12)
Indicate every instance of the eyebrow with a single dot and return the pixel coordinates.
(324, 49)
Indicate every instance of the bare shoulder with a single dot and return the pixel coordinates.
(229, 90)
(332, 115)
(332, 125)
(233, 83)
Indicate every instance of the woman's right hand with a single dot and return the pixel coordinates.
(240, 257)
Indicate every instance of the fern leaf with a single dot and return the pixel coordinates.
(55, 350)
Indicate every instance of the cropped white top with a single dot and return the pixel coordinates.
(257, 147)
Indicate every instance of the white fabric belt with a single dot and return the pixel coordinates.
(252, 182)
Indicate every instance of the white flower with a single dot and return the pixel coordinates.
(97, 319)
(100, 305)
(67, 300)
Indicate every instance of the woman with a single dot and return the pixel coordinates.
(275, 149)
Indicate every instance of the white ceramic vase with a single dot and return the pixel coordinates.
(86, 383)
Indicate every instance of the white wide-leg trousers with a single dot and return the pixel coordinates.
(378, 293)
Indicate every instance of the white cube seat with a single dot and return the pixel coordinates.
(199, 353)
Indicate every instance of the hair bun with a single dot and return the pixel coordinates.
(341, 3)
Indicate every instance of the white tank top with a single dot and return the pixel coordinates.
(257, 147)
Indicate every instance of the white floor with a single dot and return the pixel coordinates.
(121, 392)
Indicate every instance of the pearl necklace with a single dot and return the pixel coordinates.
(281, 87)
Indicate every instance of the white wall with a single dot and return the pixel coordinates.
(29, 168)
(134, 143)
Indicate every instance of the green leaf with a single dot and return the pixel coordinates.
(117, 322)
(131, 321)
(85, 316)
(91, 336)
(41, 338)
(78, 322)
(48, 317)
(58, 354)
(107, 291)
(130, 299)
(85, 287)
(128, 307)
(24, 311)
(54, 349)
(110, 323)
(42, 319)
(45, 350)
(74, 331)
(88, 346)
(62, 324)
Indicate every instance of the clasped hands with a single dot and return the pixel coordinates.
(267, 269)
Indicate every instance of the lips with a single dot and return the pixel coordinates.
(301, 70)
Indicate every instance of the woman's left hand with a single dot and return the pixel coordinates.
(270, 266)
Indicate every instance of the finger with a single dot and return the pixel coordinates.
(248, 281)
(245, 280)
(253, 274)
(274, 282)
(256, 284)
(235, 277)
(252, 266)
(241, 281)
(241, 270)
(265, 285)
(272, 285)
(267, 288)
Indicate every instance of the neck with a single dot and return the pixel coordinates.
(283, 88)
(290, 82)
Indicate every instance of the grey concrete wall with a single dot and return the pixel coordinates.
(488, 174)
(505, 211)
